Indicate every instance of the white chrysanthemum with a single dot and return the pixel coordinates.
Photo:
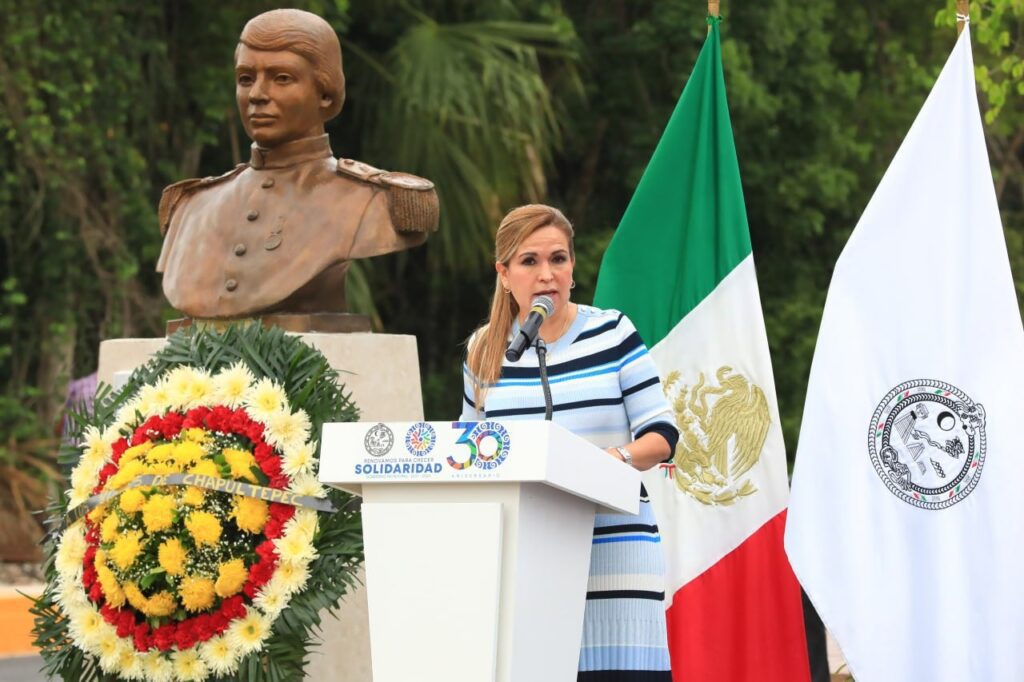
(110, 647)
(304, 521)
(295, 548)
(70, 594)
(298, 458)
(232, 384)
(286, 431)
(129, 665)
(272, 599)
(151, 401)
(247, 634)
(188, 387)
(85, 475)
(128, 414)
(188, 666)
(307, 484)
(97, 447)
(219, 656)
(264, 400)
(291, 577)
(156, 668)
(71, 552)
(86, 626)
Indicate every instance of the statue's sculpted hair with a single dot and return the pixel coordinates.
(308, 36)
(487, 347)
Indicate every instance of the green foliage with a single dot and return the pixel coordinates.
(310, 384)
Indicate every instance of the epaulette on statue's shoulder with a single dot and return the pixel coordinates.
(412, 200)
(173, 194)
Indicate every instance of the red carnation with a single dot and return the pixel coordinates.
(233, 607)
(195, 417)
(262, 451)
(171, 424)
(280, 482)
(106, 472)
(266, 550)
(88, 576)
(185, 636)
(125, 623)
(109, 613)
(203, 627)
(218, 418)
(163, 637)
(90, 556)
(95, 593)
(218, 622)
(254, 432)
(271, 466)
(140, 635)
(118, 449)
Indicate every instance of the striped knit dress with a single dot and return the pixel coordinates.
(605, 388)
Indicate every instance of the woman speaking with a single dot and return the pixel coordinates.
(605, 388)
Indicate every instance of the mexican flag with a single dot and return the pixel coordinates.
(680, 266)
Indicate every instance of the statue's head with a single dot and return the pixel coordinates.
(288, 76)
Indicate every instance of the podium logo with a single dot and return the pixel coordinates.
(484, 445)
(379, 440)
(420, 439)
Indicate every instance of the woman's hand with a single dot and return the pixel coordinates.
(649, 450)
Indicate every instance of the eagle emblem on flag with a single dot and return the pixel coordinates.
(722, 430)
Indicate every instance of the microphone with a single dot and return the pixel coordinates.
(541, 307)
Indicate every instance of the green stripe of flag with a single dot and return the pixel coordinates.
(686, 226)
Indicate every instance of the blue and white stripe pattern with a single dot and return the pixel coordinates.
(605, 388)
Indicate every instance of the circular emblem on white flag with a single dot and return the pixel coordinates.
(927, 443)
(379, 440)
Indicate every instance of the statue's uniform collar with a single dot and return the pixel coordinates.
(291, 153)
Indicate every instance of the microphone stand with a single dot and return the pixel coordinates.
(542, 360)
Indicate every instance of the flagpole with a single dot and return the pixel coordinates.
(715, 11)
(963, 9)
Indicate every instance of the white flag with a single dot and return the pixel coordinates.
(906, 521)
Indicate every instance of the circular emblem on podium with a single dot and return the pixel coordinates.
(379, 440)
(927, 443)
(420, 439)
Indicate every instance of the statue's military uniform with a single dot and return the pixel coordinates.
(277, 234)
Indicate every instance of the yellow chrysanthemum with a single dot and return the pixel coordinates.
(250, 513)
(196, 593)
(264, 399)
(232, 384)
(172, 556)
(162, 604)
(135, 452)
(126, 549)
(108, 529)
(161, 452)
(111, 588)
(196, 435)
(135, 597)
(188, 452)
(241, 463)
(188, 666)
(193, 496)
(163, 468)
(247, 634)
(132, 500)
(204, 527)
(218, 656)
(205, 468)
(231, 577)
(126, 472)
(158, 512)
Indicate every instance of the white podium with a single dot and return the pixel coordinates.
(477, 538)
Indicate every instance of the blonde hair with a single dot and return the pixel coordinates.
(308, 36)
(488, 342)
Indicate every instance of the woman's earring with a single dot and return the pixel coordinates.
(508, 291)
(573, 284)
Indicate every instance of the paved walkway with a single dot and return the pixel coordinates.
(21, 669)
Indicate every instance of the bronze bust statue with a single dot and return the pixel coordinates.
(277, 234)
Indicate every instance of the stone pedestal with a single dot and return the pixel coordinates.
(381, 371)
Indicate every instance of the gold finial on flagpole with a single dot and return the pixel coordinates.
(714, 10)
(963, 9)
